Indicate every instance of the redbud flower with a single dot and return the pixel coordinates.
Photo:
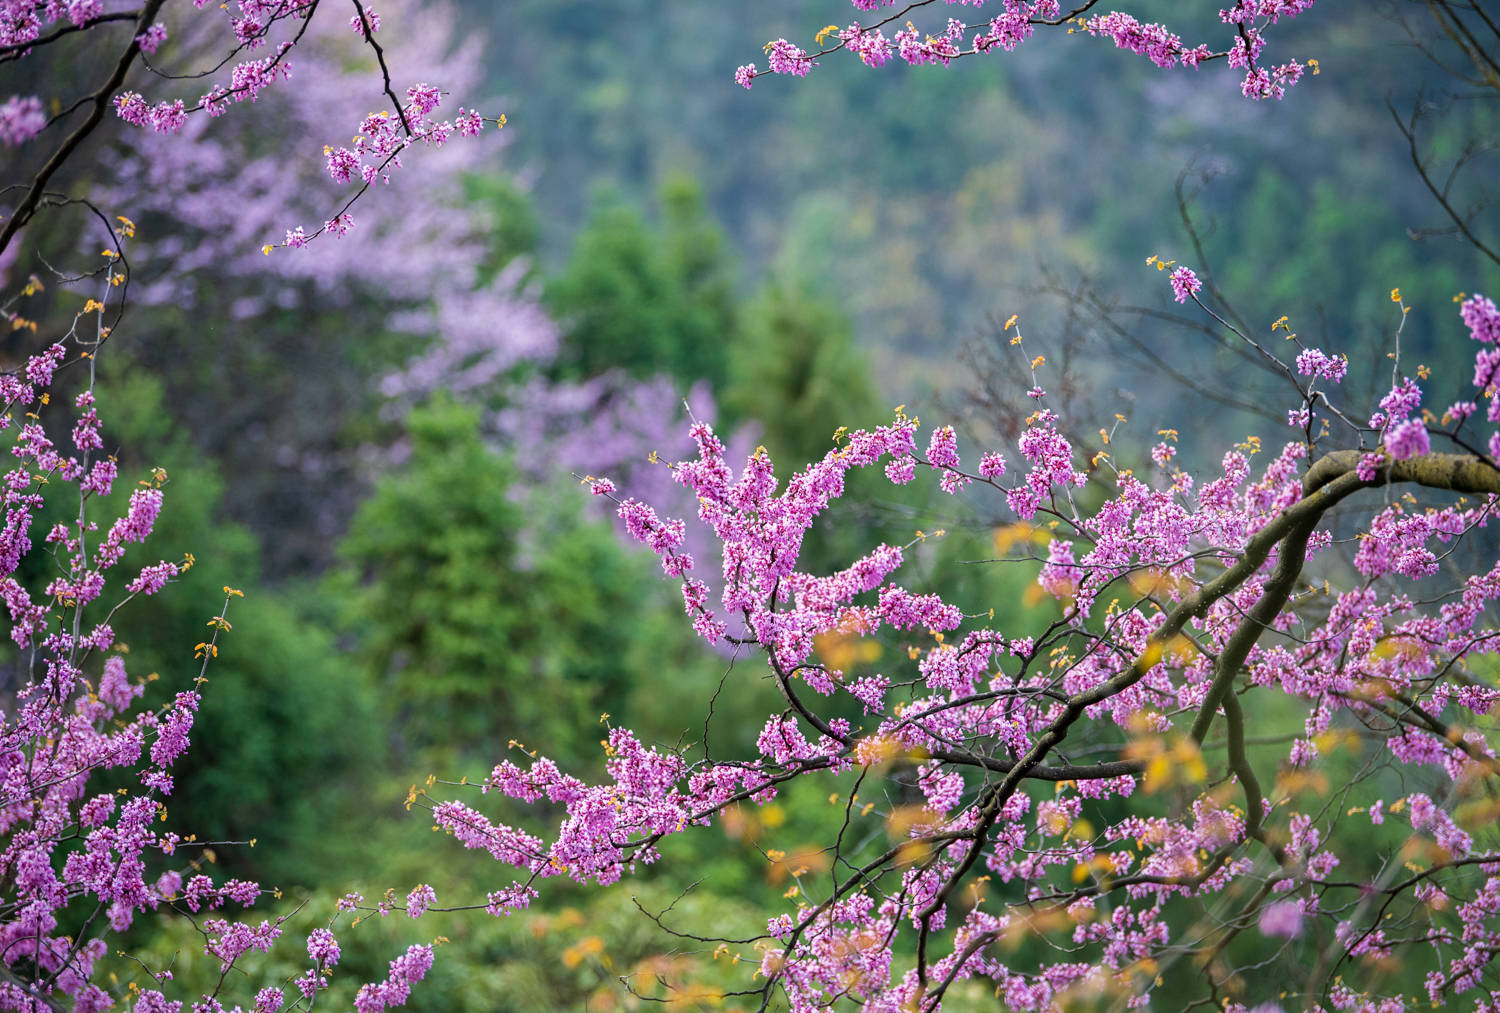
(1185, 283)
(419, 900)
(131, 107)
(1315, 362)
(371, 20)
(942, 449)
(1482, 318)
(152, 38)
(786, 58)
(1283, 918)
(153, 578)
(323, 947)
(1407, 439)
(469, 122)
(21, 119)
(901, 470)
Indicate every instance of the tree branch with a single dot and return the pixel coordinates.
(100, 100)
(19, 49)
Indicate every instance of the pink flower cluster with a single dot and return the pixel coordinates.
(1018, 20)
(1315, 362)
(21, 119)
(252, 25)
(22, 21)
(1173, 603)
(1185, 284)
(82, 860)
(1152, 41)
(381, 139)
(406, 970)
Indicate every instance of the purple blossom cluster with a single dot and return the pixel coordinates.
(247, 80)
(250, 29)
(22, 21)
(382, 137)
(81, 861)
(1185, 284)
(1316, 362)
(1017, 20)
(1173, 600)
(1152, 41)
(21, 119)
(406, 970)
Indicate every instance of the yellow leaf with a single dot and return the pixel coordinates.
(1158, 773)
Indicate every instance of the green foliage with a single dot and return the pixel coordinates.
(283, 746)
(440, 608)
(698, 258)
(285, 735)
(515, 228)
(647, 300)
(1316, 288)
(797, 371)
(490, 612)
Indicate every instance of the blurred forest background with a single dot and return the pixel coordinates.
(379, 438)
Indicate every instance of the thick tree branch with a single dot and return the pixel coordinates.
(100, 101)
(1464, 473)
(19, 49)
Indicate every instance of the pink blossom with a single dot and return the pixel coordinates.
(1407, 439)
(1314, 362)
(419, 900)
(1185, 283)
(151, 39)
(1282, 918)
(785, 58)
(370, 21)
(21, 119)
